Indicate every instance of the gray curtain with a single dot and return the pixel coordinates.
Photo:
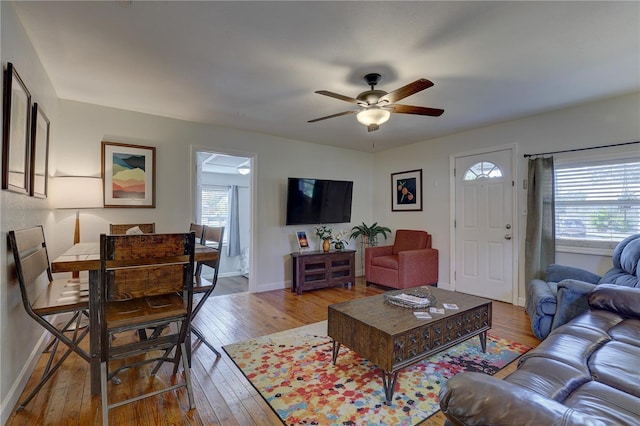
(540, 241)
(234, 222)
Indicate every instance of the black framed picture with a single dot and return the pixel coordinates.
(406, 191)
(39, 153)
(16, 132)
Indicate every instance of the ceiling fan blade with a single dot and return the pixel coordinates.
(331, 116)
(338, 96)
(410, 109)
(407, 90)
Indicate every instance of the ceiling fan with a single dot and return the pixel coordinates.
(376, 106)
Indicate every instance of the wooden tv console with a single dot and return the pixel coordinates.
(317, 269)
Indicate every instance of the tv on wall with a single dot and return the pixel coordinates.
(317, 201)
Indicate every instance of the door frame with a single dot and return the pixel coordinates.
(194, 149)
(516, 217)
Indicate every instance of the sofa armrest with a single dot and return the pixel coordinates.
(616, 298)
(572, 300)
(557, 273)
(479, 399)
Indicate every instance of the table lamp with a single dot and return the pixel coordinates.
(77, 192)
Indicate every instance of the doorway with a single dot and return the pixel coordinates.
(483, 225)
(223, 198)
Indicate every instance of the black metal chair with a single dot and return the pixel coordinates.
(146, 282)
(212, 236)
(60, 296)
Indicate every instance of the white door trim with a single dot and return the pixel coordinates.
(516, 216)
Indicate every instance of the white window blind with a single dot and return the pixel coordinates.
(598, 201)
(215, 206)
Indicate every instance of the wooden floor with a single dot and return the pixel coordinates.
(223, 395)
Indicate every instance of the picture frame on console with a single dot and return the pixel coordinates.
(406, 191)
(39, 153)
(16, 132)
(128, 175)
(303, 241)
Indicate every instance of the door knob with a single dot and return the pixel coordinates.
(508, 226)
(507, 237)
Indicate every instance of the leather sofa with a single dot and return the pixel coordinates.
(409, 262)
(584, 373)
(563, 295)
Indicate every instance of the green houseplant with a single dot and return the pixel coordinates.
(368, 233)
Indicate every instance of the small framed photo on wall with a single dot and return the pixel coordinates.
(406, 191)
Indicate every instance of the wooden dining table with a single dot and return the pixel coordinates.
(86, 257)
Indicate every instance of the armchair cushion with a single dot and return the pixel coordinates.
(390, 262)
(410, 240)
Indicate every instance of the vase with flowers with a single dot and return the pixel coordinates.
(326, 235)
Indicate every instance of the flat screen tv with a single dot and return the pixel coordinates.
(317, 201)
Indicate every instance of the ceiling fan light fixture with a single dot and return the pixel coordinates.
(373, 116)
(244, 170)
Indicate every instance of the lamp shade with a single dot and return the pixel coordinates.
(76, 192)
(373, 115)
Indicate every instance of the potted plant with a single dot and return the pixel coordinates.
(369, 234)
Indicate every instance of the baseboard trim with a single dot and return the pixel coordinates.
(16, 389)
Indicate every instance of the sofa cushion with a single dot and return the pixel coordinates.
(603, 402)
(549, 377)
(616, 365)
(389, 262)
(612, 298)
(628, 331)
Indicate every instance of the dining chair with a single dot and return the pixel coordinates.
(147, 282)
(121, 228)
(59, 296)
(212, 236)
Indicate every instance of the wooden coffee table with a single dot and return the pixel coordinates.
(391, 336)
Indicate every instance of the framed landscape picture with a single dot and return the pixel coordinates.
(16, 132)
(39, 153)
(406, 191)
(128, 175)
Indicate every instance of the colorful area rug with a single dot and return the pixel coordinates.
(293, 372)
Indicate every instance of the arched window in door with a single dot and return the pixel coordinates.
(482, 170)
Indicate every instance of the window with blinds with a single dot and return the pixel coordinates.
(597, 201)
(215, 206)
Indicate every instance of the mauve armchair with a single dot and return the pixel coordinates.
(409, 262)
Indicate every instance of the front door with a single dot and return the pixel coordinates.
(484, 225)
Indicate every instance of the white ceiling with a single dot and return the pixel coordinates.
(255, 65)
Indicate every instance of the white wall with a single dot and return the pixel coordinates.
(605, 122)
(20, 336)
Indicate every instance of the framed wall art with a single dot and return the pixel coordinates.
(406, 191)
(128, 175)
(39, 166)
(16, 132)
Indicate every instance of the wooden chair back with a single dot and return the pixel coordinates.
(198, 230)
(121, 229)
(213, 236)
(32, 266)
(136, 266)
